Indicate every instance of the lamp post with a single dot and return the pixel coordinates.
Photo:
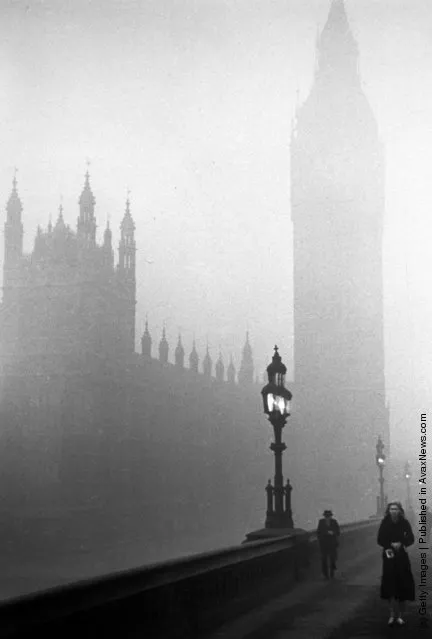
(380, 460)
(276, 400)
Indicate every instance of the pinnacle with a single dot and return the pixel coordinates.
(337, 21)
(14, 203)
(87, 196)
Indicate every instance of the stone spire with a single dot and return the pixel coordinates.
(13, 241)
(231, 372)
(59, 243)
(107, 246)
(337, 50)
(163, 348)
(127, 247)
(14, 230)
(179, 354)
(86, 226)
(60, 223)
(126, 271)
(246, 372)
(193, 359)
(146, 342)
(38, 242)
(87, 199)
(14, 206)
(207, 364)
(220, 369)
(108, 235)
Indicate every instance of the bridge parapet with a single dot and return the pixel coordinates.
(184, 598)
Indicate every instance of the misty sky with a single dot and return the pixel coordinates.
(189, 104)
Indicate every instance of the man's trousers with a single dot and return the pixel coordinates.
(328, 561)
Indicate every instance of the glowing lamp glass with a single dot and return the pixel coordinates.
(278, 404)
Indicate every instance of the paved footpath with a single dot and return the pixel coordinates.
(346, 608)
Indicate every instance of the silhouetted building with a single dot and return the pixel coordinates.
(337, 208)
(105, 441)
(118, 423)
(65, 305)
(69, 371)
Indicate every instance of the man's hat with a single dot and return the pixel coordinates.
(328, 513)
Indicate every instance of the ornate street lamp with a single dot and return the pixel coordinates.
(276, 400)
(380, 460)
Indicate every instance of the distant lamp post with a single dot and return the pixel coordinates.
(407, 476)
(380, 460)
(276, 400)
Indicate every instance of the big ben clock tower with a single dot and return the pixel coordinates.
(337, 207)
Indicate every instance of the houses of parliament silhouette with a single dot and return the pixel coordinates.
(67, 306)
(90, 423)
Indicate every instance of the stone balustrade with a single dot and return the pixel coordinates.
(184, 598)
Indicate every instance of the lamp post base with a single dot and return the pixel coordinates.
(283, 520)
(273, 533)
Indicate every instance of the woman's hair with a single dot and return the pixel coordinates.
(394, 503)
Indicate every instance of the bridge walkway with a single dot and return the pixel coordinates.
(349, 607)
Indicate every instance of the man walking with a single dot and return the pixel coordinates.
(328, 537)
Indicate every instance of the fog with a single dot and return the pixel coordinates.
(189, 105)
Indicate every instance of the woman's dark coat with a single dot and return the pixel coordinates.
(397, 580)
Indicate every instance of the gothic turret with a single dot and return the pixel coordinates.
(127, 247)
(146, 342)
(86, 226)
(220, 369)
(179, 354)
(107, 247)
(193, 359)
(13, 240)
(231, 372)
(62, 306)
(59, 238)
(60, 224)
(38, 242)
(163, 348)
(207, 364)
(246, 372)
(126, 270)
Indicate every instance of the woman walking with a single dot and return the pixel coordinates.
(397, 582)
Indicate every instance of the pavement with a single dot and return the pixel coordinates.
(346, 608)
